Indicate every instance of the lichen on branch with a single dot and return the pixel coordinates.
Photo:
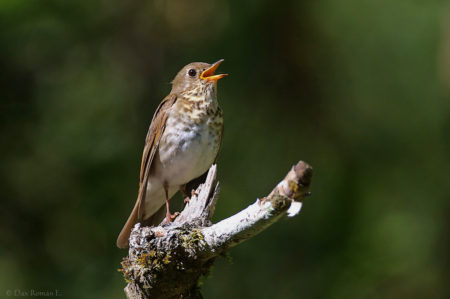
(167, 261)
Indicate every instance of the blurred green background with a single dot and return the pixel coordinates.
(358, 89)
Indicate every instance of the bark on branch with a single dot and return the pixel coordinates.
(167, 261)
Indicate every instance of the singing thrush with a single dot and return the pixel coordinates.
(182, 143)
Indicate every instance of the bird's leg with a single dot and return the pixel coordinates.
(169, 217)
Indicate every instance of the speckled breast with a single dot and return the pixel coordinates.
(191, 141)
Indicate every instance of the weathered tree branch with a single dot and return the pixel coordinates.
(167, 261)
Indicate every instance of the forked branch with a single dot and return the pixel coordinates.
(167, 261)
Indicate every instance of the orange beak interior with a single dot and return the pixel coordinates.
(208, 74)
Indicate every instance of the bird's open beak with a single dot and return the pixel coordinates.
(208, 74)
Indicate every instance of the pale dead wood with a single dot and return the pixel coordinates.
(167, 261)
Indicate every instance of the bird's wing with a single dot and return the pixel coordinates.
(154, 134)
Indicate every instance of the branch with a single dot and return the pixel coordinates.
(167, 261)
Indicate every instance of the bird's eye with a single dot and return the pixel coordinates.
(192, 72)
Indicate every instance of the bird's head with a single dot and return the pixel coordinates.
(196, 75)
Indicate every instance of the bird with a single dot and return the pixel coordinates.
(183, 141)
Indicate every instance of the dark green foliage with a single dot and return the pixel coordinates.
(354, 88)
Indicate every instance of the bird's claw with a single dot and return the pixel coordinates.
(171, 217)
(174, 215)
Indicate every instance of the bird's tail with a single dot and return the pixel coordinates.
(122, 240)
(155, 219)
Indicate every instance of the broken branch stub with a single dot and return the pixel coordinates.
(168, 260)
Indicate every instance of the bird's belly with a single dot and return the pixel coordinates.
(187, 151)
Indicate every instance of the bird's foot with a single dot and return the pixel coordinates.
(171, 217)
